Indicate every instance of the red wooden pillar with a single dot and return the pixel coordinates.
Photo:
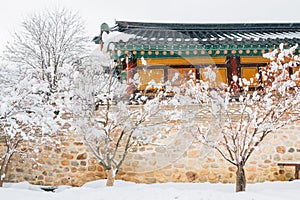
(129, 70)
(234, 71)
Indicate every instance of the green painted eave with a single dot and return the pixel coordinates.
(191, 50)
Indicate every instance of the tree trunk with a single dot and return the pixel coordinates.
(110, 177)
(3, 169)
(1, 182)
(4, 166)
(240, 179)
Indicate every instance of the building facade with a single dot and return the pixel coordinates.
(166, 49)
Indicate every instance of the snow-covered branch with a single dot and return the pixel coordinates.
(243, 123)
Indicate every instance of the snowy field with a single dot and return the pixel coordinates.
(166, 191)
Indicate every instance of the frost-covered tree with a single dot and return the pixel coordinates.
(28, 114)
(108, 123)
(108, 115)
(240, 125)
(48, 40)
(45, 49)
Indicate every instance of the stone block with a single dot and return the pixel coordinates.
(66, 116)
(203, 179)
(93, 161)
(135, 163)
(82, 156)
(151, 180)
(48, 148)
(289, 176)
(263, 166)
(277, 157)
(138, 157)
(251, 177)
(232, 169)
(65, 163)
(28, 177)
(297, 144)
(251, 169)
(64, 155)
(178, 142)
(73, 169)
(142, 149)
(40, 161)
(167, 173)
(210, 160)
(214, 165)
(40, 183)
(82, 169)
(100, 169)
(212, 177)
(280, 149)
(205, 166)
(287, 157)
(191, 176)
(193, 153)
(49, 179)
(66, 126)
(66, 169)
(19, 169)
(78, 143)
(74, 163)
(179, 165)
(64, 181)
(291, 150)
(52, 162)
(160, 149)
(152, 162)
(191, 163)
(65, 144)
(204, 172)
(92, 168)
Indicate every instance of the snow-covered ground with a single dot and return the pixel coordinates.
(166, 191)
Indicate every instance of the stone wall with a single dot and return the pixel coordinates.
(69, 163)
(192, 166)
(179, 158)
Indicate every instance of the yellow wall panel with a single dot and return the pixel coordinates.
(180, 76)
(249, 73)
(220, 79)
(147, 75)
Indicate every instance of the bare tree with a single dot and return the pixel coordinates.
(242, 124)
(48, 40)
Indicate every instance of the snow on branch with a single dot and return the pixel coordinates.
(239, 124)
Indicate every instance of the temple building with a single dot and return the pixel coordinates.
(159, 51)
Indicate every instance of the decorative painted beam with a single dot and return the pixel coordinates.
(183, 61)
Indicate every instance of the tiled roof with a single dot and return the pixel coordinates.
(238, 36)
(209, 33)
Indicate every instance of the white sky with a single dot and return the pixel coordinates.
(94, 12)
